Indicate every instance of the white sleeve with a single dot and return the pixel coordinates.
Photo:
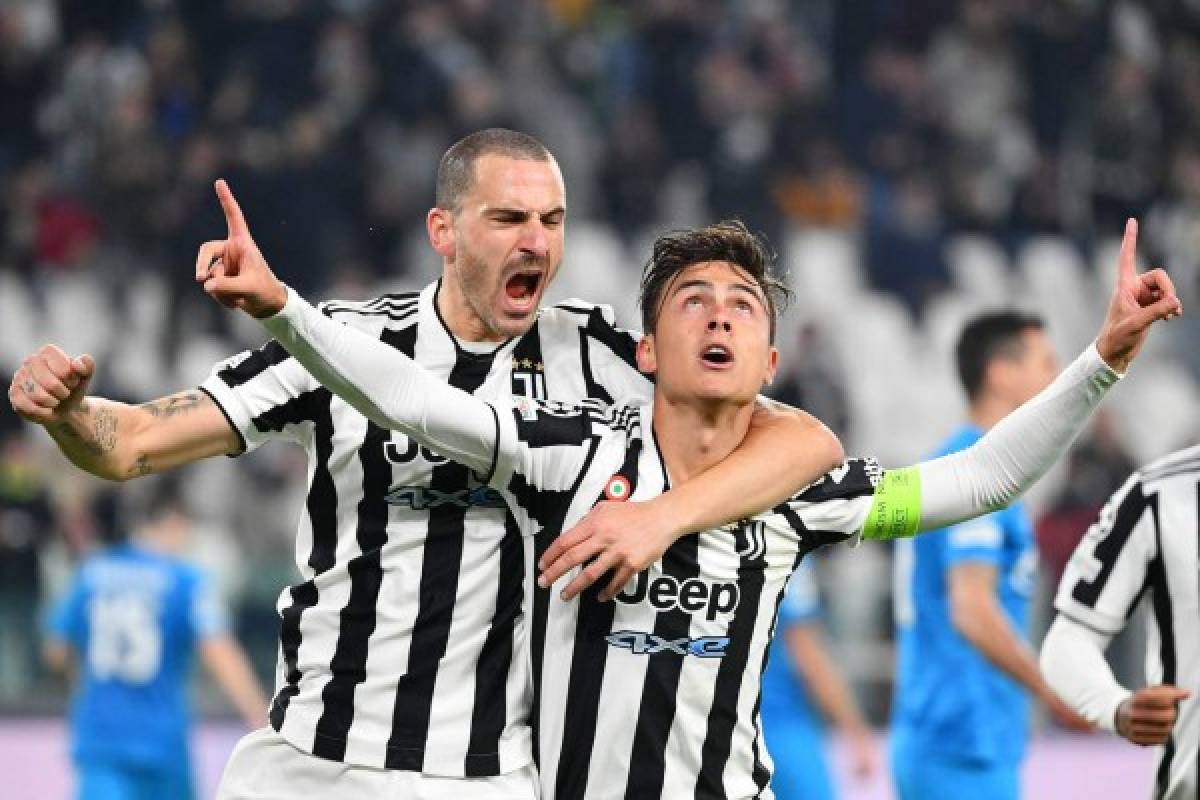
(1073, 664)
(1016, 451)
(388, 387)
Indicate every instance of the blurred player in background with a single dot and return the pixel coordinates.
(960, 722)
(800, 672)
(1145, 542)
(126, 632)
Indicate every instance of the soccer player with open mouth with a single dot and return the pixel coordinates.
(656, 695)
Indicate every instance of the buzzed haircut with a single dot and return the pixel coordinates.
(989, 337)
(728, 241)
(456, 172)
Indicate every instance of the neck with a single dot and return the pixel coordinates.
(457, 313)
(694, 435)
(988, 410)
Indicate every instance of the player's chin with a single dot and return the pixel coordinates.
(511, 324)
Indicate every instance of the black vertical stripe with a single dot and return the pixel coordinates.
(1128, 514)
(321, 505)
(490, 708)
(760, 773)
(357, 621)
(656, 709)
(437, 594)
(722, 717)
(495, 658)
(1160, 596)
(549, 510)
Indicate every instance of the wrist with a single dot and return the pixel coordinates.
(274, 301)
(670, 515)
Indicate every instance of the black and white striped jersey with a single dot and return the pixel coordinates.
(1147, 542)
(656, 694)
(403, 646)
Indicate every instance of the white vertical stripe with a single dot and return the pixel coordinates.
(474, 609)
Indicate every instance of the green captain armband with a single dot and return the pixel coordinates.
(896, 510)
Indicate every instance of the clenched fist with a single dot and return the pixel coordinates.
(49, 385)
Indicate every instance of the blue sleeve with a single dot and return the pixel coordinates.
(800, 600)
(66, 621)
(976, 540)
(206, 612)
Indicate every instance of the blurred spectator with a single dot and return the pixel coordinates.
(811, 381)
(27, 525)
(1096, 467)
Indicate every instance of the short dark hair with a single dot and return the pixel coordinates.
(729, 241)
(456, 171)
(988, 337)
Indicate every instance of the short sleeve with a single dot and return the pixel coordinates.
(801, 600)
(263, 393)
(835, 507)
(1106, 574)
(975, 540)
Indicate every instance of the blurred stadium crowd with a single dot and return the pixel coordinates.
(913, 162)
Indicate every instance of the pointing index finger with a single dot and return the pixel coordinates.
(234, 221)
(1128, 260)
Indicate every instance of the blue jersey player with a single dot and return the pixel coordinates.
(129, 626)
(965, 671)
(799, 674)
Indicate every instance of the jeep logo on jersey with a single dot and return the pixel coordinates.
(665, 593)
(647, 644)
(617, 488)
(420, 498)
(403, 450)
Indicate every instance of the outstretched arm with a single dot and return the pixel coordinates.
(114, 440)
(386, 386)
(1020, 448)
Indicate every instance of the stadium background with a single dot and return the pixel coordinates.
(912, 162)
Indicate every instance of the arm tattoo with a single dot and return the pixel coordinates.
(103, 435)
(174, 405)
(141, 466)
(104, 431)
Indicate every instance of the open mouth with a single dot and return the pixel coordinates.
(522, 287)
(717, 355)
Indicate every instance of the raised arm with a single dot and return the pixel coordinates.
(1021, 447)
(114, 440)
(383, 384)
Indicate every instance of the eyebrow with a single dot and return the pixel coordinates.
(697, 283)
(503, 211)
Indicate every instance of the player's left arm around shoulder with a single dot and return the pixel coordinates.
(785, 450)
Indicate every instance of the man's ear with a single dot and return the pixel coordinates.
(772, 364)
(647, 359)
(439, 224)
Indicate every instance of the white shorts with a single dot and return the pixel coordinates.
(265, 766)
